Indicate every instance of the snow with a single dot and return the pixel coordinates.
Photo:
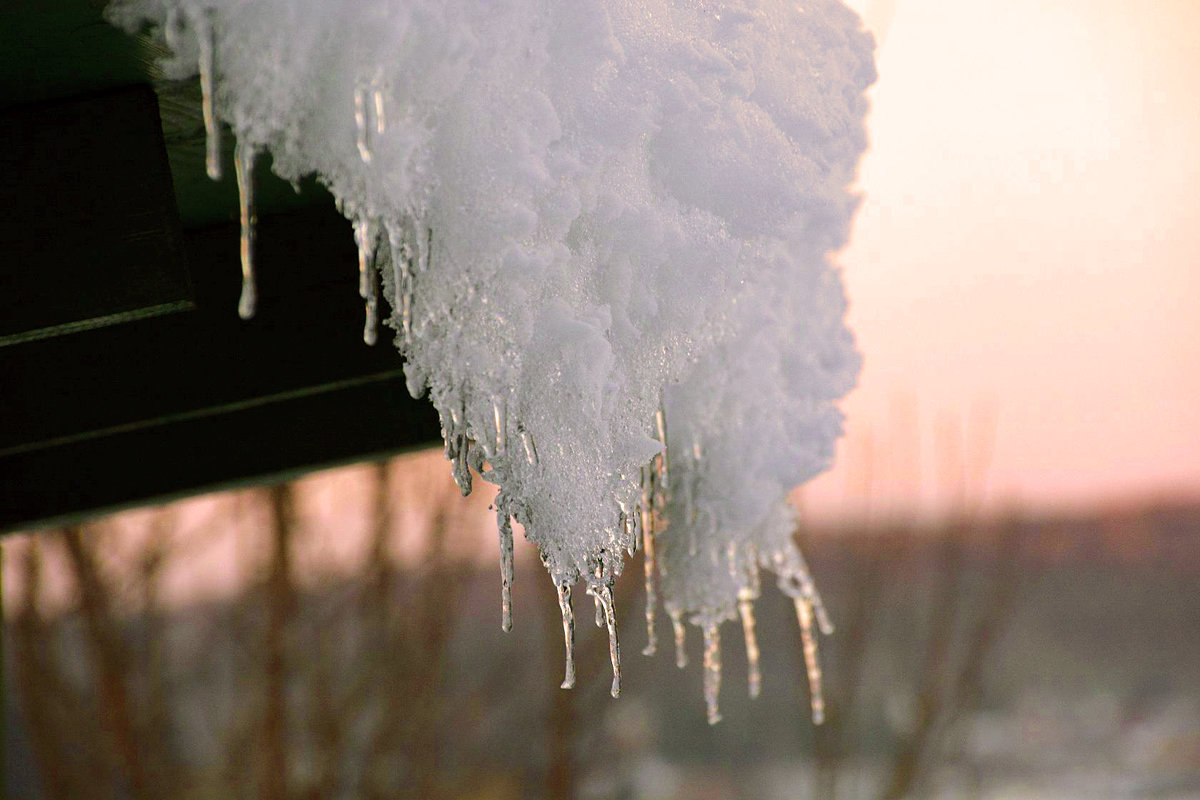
(581, 213)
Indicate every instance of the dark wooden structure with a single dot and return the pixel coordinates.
(126, 375)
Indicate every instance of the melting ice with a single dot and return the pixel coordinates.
(603, 229)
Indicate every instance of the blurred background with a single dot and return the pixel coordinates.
(1008, 542)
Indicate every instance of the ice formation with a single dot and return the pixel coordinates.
(604, 231)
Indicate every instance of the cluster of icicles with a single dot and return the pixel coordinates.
(657, 511)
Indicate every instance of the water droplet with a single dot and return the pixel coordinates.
(754, 674)
(212, 126)
(243, 164)
(712, 672)
(680, 637)
(568, 618)
(506, 566)
(604, 599)
(804, 612)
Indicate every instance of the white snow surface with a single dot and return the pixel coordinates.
(606, 204)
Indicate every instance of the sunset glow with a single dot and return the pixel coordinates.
(1027, 250)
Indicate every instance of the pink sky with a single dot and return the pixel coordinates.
(1029, 246)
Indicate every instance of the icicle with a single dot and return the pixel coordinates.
(809, 590)
(403, 277)
(362, 129)
(604, 600)
(754, 675)
(804, 611)
(212, 127)
(632, 537)
(506, 566)
(660, 421)
(680, 638)
(599, 611)
(461, 467)
(499, 417)
(568, 618)
(527, 443)
(371, 323)
(712, 672)
(366, 235)
(380, 116)
(243, 164)
(424, 251)
(651, 593)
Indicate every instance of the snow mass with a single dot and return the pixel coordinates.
(600, 226)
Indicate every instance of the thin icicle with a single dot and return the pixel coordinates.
(651, 591)
(568, 618)
(366, 235)
(371, 322)
(754, 674)
(364, 238)
(243, 164)
(460, 452)
(212, 126)
(804, 612)
(680, 638)
(808, 589)
(660, 421)
(500, 419)
(362, 137)
(712, 672)
(402, 276)
(599, 610)
(424, 251)
(604, 598)
(380, 116)
(530, 448)
(506, 567)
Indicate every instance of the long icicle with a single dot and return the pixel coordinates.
(712, 672)
(212, 127)
(753, 672)
(603, 595)
(568, 618)
(243, 164)
(506, 568)
(804, 612)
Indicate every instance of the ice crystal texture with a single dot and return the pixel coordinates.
(599, 225)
